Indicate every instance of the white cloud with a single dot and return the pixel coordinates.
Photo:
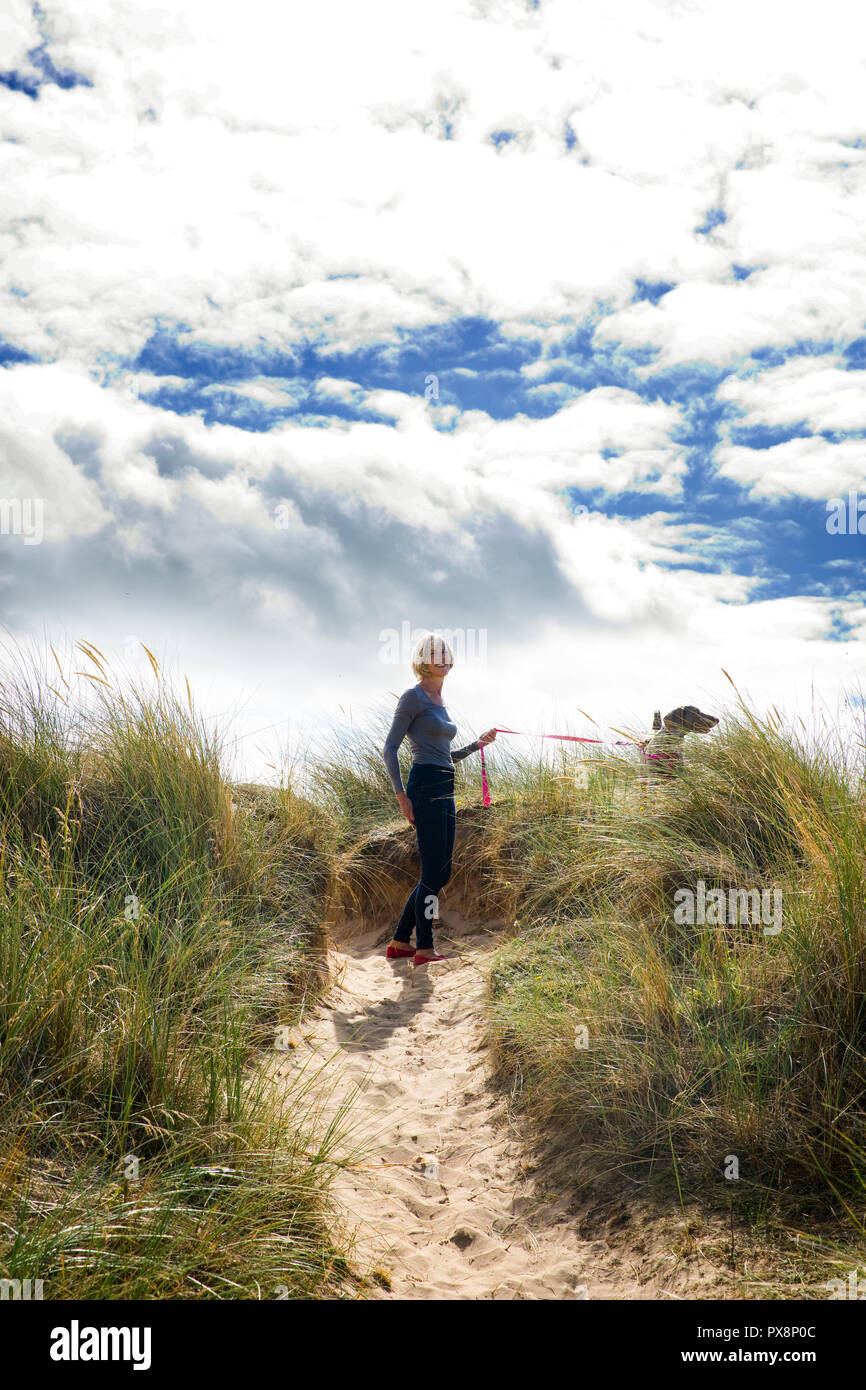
(273, 392)
(816, 391)
(809, 467)
(19, 33)
(271, 175)
(247, 163)
(341, 390)
(230, 500)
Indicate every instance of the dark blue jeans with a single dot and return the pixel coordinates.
(431, 791)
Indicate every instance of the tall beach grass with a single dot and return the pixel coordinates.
(153, 935)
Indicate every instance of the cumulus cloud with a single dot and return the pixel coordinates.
(812, 467)
(816, 392)
(222, 174)
(257, 184)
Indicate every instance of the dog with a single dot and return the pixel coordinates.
(663, 752)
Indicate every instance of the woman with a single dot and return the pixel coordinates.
(428, 799)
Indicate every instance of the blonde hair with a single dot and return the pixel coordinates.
(432, 650)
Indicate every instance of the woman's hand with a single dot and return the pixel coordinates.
(406, 807)
(489, 737)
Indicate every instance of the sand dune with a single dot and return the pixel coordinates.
(445, 1199)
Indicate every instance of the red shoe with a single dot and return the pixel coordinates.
(394, 953)
(425, 960)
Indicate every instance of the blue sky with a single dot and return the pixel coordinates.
(538, 322)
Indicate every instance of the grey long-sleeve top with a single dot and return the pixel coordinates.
(429, 731)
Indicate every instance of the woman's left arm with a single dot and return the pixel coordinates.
(480, 742)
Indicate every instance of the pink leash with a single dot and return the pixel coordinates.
(566, 738)
(485, 790)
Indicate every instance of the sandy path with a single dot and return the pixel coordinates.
(443, 1199)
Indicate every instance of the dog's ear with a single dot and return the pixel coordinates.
(657, 720)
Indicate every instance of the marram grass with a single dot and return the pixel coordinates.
(152, 937)
(157, 924)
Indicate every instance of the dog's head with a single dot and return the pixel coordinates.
(688, 719)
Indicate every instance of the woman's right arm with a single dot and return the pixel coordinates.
(403, 716)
